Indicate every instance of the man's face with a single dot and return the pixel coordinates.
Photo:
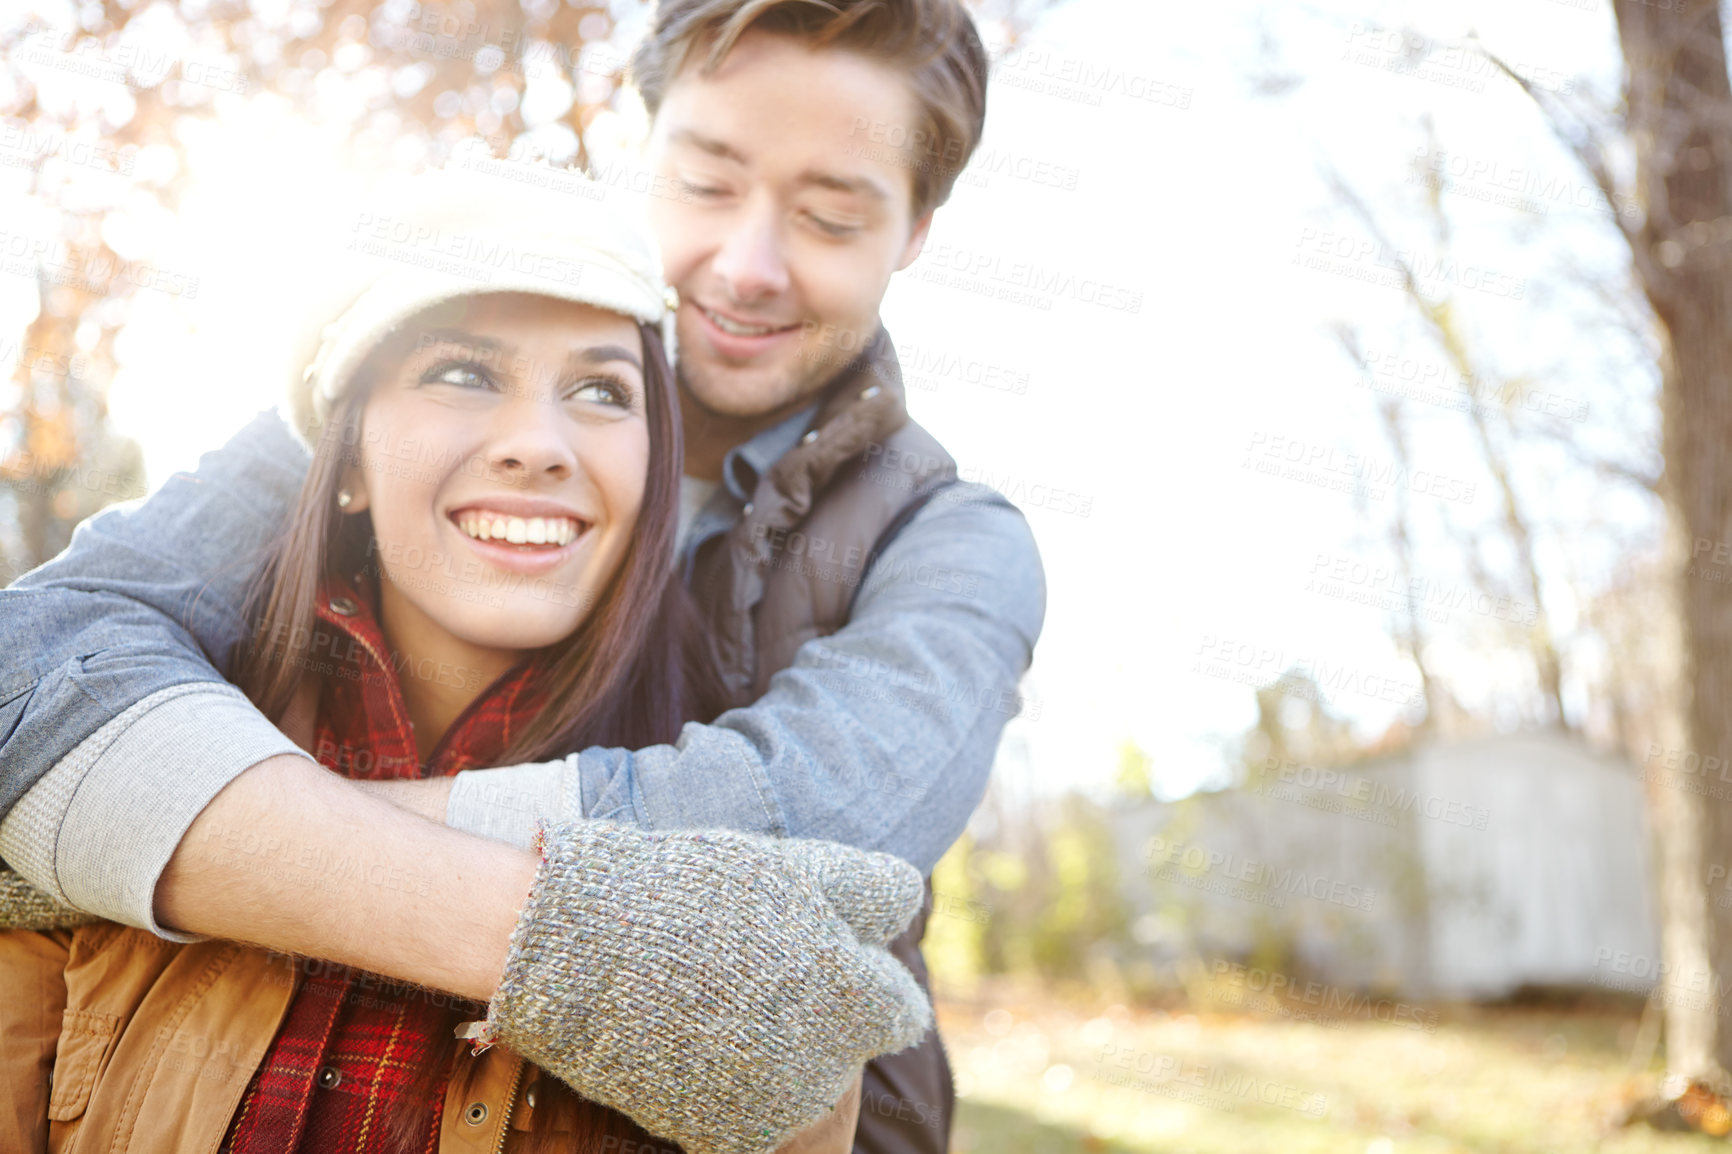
(789, 219)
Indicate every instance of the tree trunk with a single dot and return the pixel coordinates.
(1678, 813)
(1680, 121)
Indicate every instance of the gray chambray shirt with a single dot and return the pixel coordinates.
(117, 726)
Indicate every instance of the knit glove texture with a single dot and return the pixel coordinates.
(720, 988)
(24, 907)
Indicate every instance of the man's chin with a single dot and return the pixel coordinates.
(744, 394)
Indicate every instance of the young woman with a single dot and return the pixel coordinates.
(477, 574)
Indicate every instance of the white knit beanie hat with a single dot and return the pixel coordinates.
(441, 235)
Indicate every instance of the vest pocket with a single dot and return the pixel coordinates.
(85, 1037)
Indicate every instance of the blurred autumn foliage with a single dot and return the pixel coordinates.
(1034, 891)
(98, 100)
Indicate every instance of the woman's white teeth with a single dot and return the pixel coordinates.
(740, 330)
(519, 530)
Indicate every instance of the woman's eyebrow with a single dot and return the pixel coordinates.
(601, 354)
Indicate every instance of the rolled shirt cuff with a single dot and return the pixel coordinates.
(505, 804)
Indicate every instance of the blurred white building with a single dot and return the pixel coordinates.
(1464, 870)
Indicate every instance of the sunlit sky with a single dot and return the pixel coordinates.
(1163, 171)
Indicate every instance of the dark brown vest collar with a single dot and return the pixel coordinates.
(863, 406)
(859, 410)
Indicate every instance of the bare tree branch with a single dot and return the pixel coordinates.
(1444, 328)
(1587, 145)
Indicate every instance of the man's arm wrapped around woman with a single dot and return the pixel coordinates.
(722, 989)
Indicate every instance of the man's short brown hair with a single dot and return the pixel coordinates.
(933, 42)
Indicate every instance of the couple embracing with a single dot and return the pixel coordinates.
(482, 759)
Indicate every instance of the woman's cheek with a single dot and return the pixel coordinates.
(620, 471)
(400, 501)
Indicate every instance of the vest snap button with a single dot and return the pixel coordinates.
(344, 606)
(748, 509)
(809, 437)
(330, 1077)
(529, 1096)
(869, 392)
(476, 1114)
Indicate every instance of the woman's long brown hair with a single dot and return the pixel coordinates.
(631, 675)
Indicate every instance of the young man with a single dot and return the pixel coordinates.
(871, 615)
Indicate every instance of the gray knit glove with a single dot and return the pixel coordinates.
(24, 907)
(721, 988)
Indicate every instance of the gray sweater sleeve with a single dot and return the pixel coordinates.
(506, 804)
(96, 833)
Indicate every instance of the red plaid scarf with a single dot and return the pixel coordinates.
(349, 1049)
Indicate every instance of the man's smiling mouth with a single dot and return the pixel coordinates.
(739, 329)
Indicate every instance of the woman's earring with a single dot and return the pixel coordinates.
(344, 498)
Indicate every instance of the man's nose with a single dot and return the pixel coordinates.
(750, 262)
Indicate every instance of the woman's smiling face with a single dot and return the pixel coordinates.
(503, 454)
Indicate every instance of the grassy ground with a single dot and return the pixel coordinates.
(1036, 1076)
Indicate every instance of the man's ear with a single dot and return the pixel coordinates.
(916, 241)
